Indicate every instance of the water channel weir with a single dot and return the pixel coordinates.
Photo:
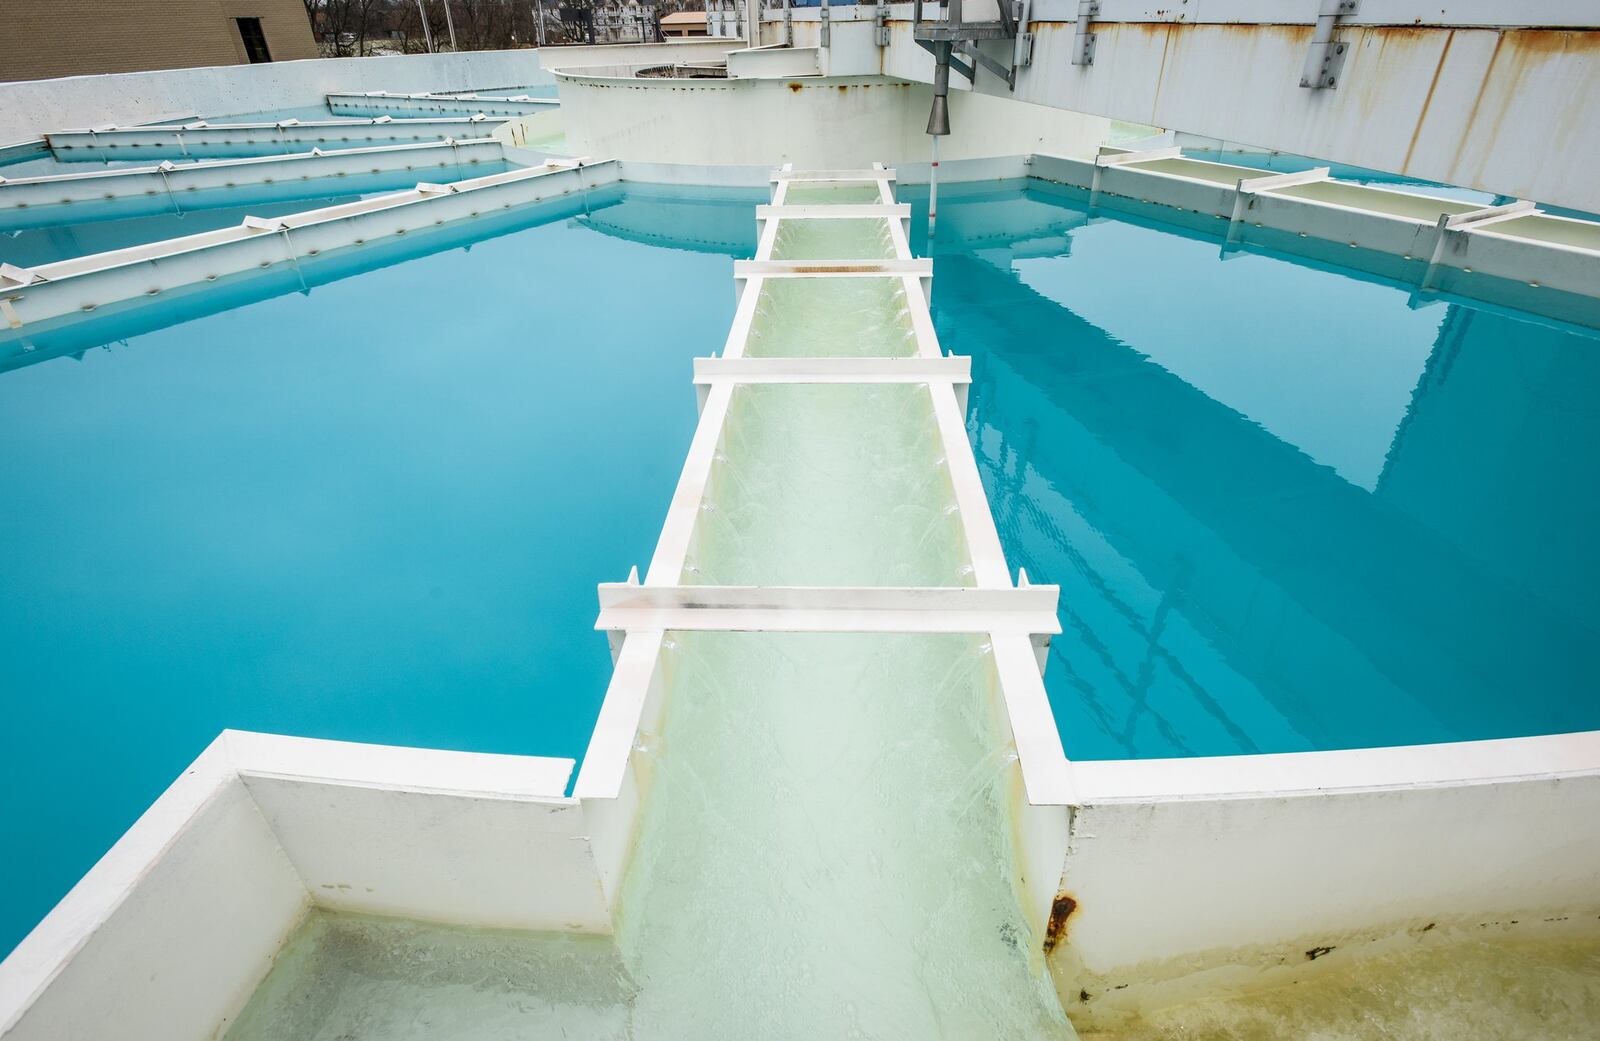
(829, 839)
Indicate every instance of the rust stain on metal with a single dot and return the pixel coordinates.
(1060, 910)
(795, 87)
(1477, 101)
(1316, 952)
(1427, 100)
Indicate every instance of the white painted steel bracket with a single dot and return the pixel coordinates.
(1325, 57)
(1248, 186)
(1104, 160)
(1452, 224)
(1082, 35)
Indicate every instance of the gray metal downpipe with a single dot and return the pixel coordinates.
(939, 117)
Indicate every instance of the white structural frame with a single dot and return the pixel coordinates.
(412, 105)
(1016, 618)
(171, 181)
(29, 296)
(105, 142)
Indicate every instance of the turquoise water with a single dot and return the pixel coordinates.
(47, 244)
(376, 512)
(1289, 506)
(1287, 509)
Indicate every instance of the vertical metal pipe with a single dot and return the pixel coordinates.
(827, 30)
(933, 189)
(450, 24)
(788, 23)
(427, 34)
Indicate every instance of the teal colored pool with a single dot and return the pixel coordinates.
(1289, 506)
(376, 512)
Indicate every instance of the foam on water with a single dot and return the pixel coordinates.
(834, 238)
(823, 853)
(839, 317)
(351, 978)
(829, 484)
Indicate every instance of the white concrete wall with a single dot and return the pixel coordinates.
(1437, 91)
(1245, 870)
(34, 107)
(166, 938)
(810, 122)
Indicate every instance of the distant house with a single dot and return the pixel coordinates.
(684, 23)
(42, 40)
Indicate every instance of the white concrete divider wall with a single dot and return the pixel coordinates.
(1261, 870)
(169, 934)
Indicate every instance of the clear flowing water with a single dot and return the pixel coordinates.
(831, 317)
(350, 978)
(805, 193)
(376, 512)
(819, 484)
(834, 238)
(825, 848)
(823, 852)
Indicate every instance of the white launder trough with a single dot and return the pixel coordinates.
(201, 139)
(29, 296)
(138, 191)
(411, 106)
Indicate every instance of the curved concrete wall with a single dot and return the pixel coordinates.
(815, 122)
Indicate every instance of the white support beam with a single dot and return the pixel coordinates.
(1026, 610)
(833, 175)
(950, 369)
(1489, 215)
(842, 211)
(1144, 156)
(829, 268)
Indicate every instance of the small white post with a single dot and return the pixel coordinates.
(427, 34)
(451, 25)
(933, 188)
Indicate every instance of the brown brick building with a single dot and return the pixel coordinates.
(45, 38)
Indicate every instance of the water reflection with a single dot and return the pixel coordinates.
(1287, 511)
